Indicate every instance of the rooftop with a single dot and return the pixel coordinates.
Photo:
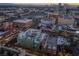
(22, 21)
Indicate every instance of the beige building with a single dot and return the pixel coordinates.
(65, 21)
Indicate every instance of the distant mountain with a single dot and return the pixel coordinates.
(33, 4)
(7, 5)
(23, 5)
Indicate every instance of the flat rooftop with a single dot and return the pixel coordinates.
(22, 21)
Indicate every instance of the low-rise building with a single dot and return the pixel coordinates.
(22, 23)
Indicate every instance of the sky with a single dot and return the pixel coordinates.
(39, 1)
(76, 2)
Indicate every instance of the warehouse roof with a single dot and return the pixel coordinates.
(22, 21)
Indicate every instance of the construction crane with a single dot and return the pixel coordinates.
(56, 15)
